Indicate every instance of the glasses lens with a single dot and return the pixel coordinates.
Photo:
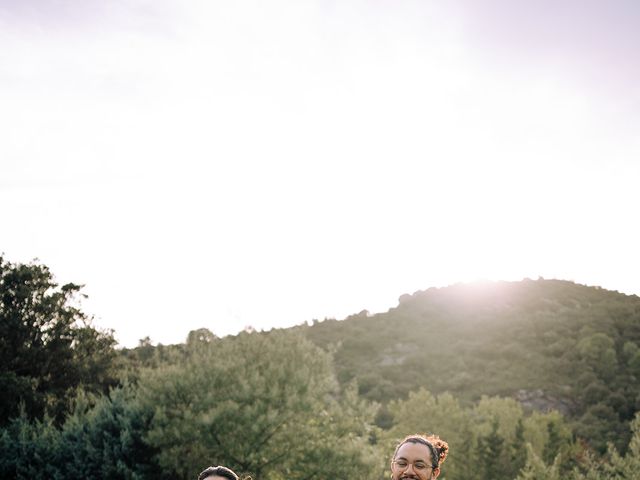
(418, 466)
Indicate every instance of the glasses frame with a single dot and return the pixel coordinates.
(413, 464)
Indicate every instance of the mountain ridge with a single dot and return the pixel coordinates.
(551, 344)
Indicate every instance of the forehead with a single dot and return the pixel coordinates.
(414, 451)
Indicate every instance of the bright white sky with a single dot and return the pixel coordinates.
(226, 163)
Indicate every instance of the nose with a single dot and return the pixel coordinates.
(410, 470)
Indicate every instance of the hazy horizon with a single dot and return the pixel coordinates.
(225, 164)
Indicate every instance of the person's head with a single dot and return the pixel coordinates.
(418, 457)
(218, 473)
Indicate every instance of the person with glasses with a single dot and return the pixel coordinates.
(418, 457)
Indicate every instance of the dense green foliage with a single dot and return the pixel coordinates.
(532, 379)
(488, 439)
(613, 467)
(267, 404)
(102, 439)
(48, 348)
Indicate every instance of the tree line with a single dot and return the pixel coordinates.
(270, 404)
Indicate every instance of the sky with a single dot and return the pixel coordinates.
(230, 163)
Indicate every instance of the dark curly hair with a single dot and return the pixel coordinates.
(219, 471)
(438, 447)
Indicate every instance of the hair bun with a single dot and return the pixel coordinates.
(441, 447)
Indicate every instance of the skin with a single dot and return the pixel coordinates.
(413, 452)
(216, 477)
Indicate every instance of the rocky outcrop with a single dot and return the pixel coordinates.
(543, 402)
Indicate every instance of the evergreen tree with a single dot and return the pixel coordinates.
(554, 442)
(490, 459)
(517, 451)
(536, 469)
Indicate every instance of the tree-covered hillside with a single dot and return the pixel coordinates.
(550, 344)
(531, 379)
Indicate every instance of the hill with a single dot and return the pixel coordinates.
(551, 344)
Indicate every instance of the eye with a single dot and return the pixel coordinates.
(420, 466)
(401, 463)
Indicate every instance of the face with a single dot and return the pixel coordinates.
(216, 477)
(413, 461)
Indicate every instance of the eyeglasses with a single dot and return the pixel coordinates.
(418, 465)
